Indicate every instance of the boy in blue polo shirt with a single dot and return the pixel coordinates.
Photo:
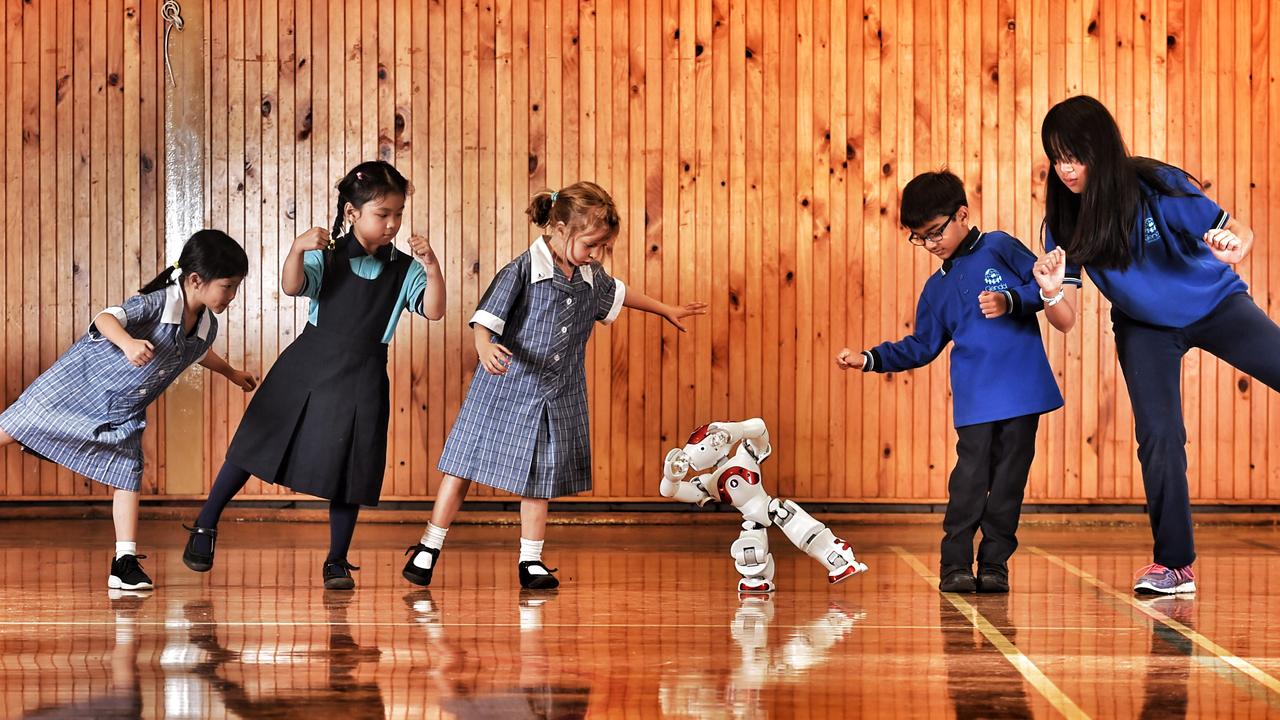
(984, 299)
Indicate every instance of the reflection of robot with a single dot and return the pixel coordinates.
(734, 477)
(766, 665)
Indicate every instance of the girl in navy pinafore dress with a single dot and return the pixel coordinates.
(318, 425)
(87, 412)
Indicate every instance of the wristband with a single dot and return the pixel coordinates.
(1051, 301)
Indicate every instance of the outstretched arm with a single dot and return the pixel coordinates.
(673, 314)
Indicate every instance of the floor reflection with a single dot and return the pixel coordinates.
(980, 683)
(644, 626)
(768, 660)
(219, 674)
(123, 698)
(529, 692)
(1169, 663)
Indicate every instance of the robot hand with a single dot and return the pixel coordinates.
(674, 485)
(676, 466)
(732, 430)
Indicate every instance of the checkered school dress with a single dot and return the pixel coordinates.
(527, 432)
(88, 410)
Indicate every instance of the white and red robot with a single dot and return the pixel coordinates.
(727, 456)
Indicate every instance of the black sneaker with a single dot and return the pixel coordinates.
(993, 580)
(959, 581)
(127, 574)
(415, 574)
(530, 581)
(337, 575)
(193, 556)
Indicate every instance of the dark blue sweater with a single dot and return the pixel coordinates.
(998, 366)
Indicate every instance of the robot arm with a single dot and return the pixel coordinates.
(753, 432)
(674, 485)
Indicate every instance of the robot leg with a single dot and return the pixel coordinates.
(816, 540)
(752, 558)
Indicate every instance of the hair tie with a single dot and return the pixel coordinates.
(554, 194)
(175, 270)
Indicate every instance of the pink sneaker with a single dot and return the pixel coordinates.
(1156, 579)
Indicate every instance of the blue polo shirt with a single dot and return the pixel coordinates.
(1174, 279)
(998, 365)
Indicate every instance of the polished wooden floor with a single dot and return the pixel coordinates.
(646, 625)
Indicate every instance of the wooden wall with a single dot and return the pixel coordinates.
(756, 150)
(82, 145)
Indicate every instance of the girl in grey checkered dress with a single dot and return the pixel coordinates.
(524, 427)
(88, 410)
(319, 423)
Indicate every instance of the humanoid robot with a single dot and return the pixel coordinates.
(728, 455)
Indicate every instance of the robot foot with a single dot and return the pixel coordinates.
(840, 562)
(755, 586)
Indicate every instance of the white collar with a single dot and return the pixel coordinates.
(175, 304)
(542, 265)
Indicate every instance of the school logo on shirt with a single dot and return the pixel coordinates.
(1150, 233)
(994, 282)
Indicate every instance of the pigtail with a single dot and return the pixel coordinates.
(539, 210)
(336, 233)
(209, 254)
(167, 277)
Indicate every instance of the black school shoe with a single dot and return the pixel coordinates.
(993, 580)
(530, 581)
(958, 581)
(192, 556)
(415, 574)
(127, 574)
(337, 575)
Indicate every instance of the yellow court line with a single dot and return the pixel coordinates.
(1203, 642)
(1016, 657)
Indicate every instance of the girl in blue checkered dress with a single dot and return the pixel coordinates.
(88, 410)
(523, 427)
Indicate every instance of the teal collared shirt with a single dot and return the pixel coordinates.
(368, 267)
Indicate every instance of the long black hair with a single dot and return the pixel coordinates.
(367, 181)
(209, 254)
(1096, 226)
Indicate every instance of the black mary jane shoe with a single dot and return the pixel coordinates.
(539, 581)
(194, 558)
(337, 575)
(415, 574)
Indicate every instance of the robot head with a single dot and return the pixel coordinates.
(706, 449)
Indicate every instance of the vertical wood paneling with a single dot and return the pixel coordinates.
(756, 149)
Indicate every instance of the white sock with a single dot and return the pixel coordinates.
(434, 536)
(126, 548)
(434, 539)
(531, 551)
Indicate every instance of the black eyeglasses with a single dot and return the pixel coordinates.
(931, 237)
